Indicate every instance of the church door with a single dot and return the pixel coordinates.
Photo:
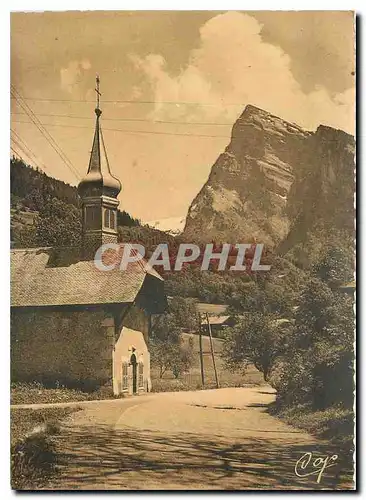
(134, 373)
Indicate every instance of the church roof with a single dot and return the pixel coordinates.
(215, 309)
(216, 320)
(56, 277)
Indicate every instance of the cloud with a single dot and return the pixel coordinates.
(72, 75)
(85, 64)
(233, 67)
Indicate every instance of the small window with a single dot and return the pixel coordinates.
(112, 223)
(92, 217)
(141, 374)
(106, 217)
(124, 376)
(109, 218)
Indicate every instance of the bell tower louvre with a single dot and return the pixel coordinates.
(98, 191)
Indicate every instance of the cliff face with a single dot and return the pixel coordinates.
(271, 175)
(321, 200)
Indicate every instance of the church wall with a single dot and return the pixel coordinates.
(74, 348)
(133, 338)
(137, 319)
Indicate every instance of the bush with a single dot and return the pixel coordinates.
(33, 461)
(172, 385)
(33, 455)
(335, 424)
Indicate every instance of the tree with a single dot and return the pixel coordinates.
(319, 361)
(185, 312)
(183, 359)
(167, 347)
(23, 236)
(165, 342)
(125, 219)
(336, 265)
(58, 224)
(258, 339)
(159, 356)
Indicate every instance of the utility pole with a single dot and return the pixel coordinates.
(201, 352)
(212, 351)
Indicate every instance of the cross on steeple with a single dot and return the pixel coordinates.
(99, 191)
(97, 109)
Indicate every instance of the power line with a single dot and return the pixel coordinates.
(44, 131)
(23, 145)
(19, 146)
(154, 132)
(113, 101)
(17, 154)
(173, 122)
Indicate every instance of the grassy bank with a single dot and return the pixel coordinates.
(33, 393)
(334, 424)
(33, 456)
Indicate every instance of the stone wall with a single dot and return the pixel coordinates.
(74, 347)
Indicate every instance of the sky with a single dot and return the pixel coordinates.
(173, 83)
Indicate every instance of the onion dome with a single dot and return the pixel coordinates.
(99, 181)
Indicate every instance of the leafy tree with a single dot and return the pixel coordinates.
(58, 224)
(160, 355)
(336, 265)
(185, 312)
(319, 364)
(183, 359)
(258, 339)
(125, 219)
(34, 200)
(165, 342)
(167, 347)
(23, 236)
(264, 319)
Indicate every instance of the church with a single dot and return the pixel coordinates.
(73, 324)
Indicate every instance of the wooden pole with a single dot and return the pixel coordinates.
(212, 351)
(201, 352)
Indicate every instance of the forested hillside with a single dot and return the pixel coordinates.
(46, 211)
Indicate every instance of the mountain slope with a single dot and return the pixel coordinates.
(321, 200)
(272, 174)
(32, 194)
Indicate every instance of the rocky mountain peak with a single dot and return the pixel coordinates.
(255, 185)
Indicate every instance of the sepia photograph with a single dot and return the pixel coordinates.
(182, 233)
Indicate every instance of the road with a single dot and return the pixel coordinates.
(215, 439)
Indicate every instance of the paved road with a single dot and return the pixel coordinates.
(215, 439)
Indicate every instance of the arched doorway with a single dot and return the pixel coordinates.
(133, 362)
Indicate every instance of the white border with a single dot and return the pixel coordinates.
(44, 5)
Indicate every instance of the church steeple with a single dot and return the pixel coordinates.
(98, 191)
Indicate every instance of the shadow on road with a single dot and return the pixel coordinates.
(103, 458)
